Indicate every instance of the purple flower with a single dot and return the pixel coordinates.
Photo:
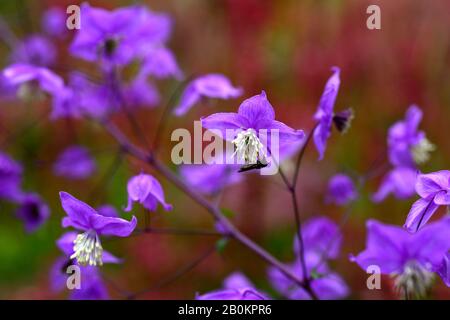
(327, 285)
(32, 211)
(408, 256)
(322, 237)
(434, 190)
(146, 190)
(254, 121)
(34, 50)
(212, 85)
(443, 269)
(87, 247)
(20, 73)
(325, 114)
(58, 272)
(75, 162)
(399, 181)
(117, 37)
(140, 93)
(322, 241)
(54, 22)
(407, 145)
(236, 287)
(210, 178)
(10, 178)
(161, 63)
(341, 190)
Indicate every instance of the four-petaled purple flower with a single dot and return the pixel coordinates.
(410, 257)
(341, 190)
(325, 114)
(235, 287)
(434, 190)
(250, 130)
(212, 85)
(407, 145)
(75, 162)
(146, 190)
(87, 247)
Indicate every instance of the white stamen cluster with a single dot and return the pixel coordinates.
(88, 249)
(248, 147)
(421, 151)
(414, 281)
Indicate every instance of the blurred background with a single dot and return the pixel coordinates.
(283, 47)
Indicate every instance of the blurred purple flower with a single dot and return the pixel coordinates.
(87, 247)
(254, 114)
(119, 36)
(341, 190)
(10, 178)
(32, 211)
(236, 287)
(146, 190)
(140, 93)
(443, 269)
(399, 181)
(212, 85)
(108, 211)
(327, 285)
(210, 178)
(322, 237)
(408, 256)
(161, 63)
(434, 190)
(54, 22)
(407, 145)
(34, 50)
(17, 74)
(325, 113)
(74, 162)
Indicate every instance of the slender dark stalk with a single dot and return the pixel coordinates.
(211, 208)
(300, 156)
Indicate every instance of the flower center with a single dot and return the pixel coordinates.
(248, 147)
(421, 151)
(88, 249)
(414, 281)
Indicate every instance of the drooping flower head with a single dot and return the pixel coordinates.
(399, 181)
(408, 257)
(250, 128)
(408, 145)
(325, 114)
(146, 190)
(32, 211)
(87, 247)
(213, 85)
(434, 190)
(341, 189)
(119, 36)
(75, 162)
(235, 287)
